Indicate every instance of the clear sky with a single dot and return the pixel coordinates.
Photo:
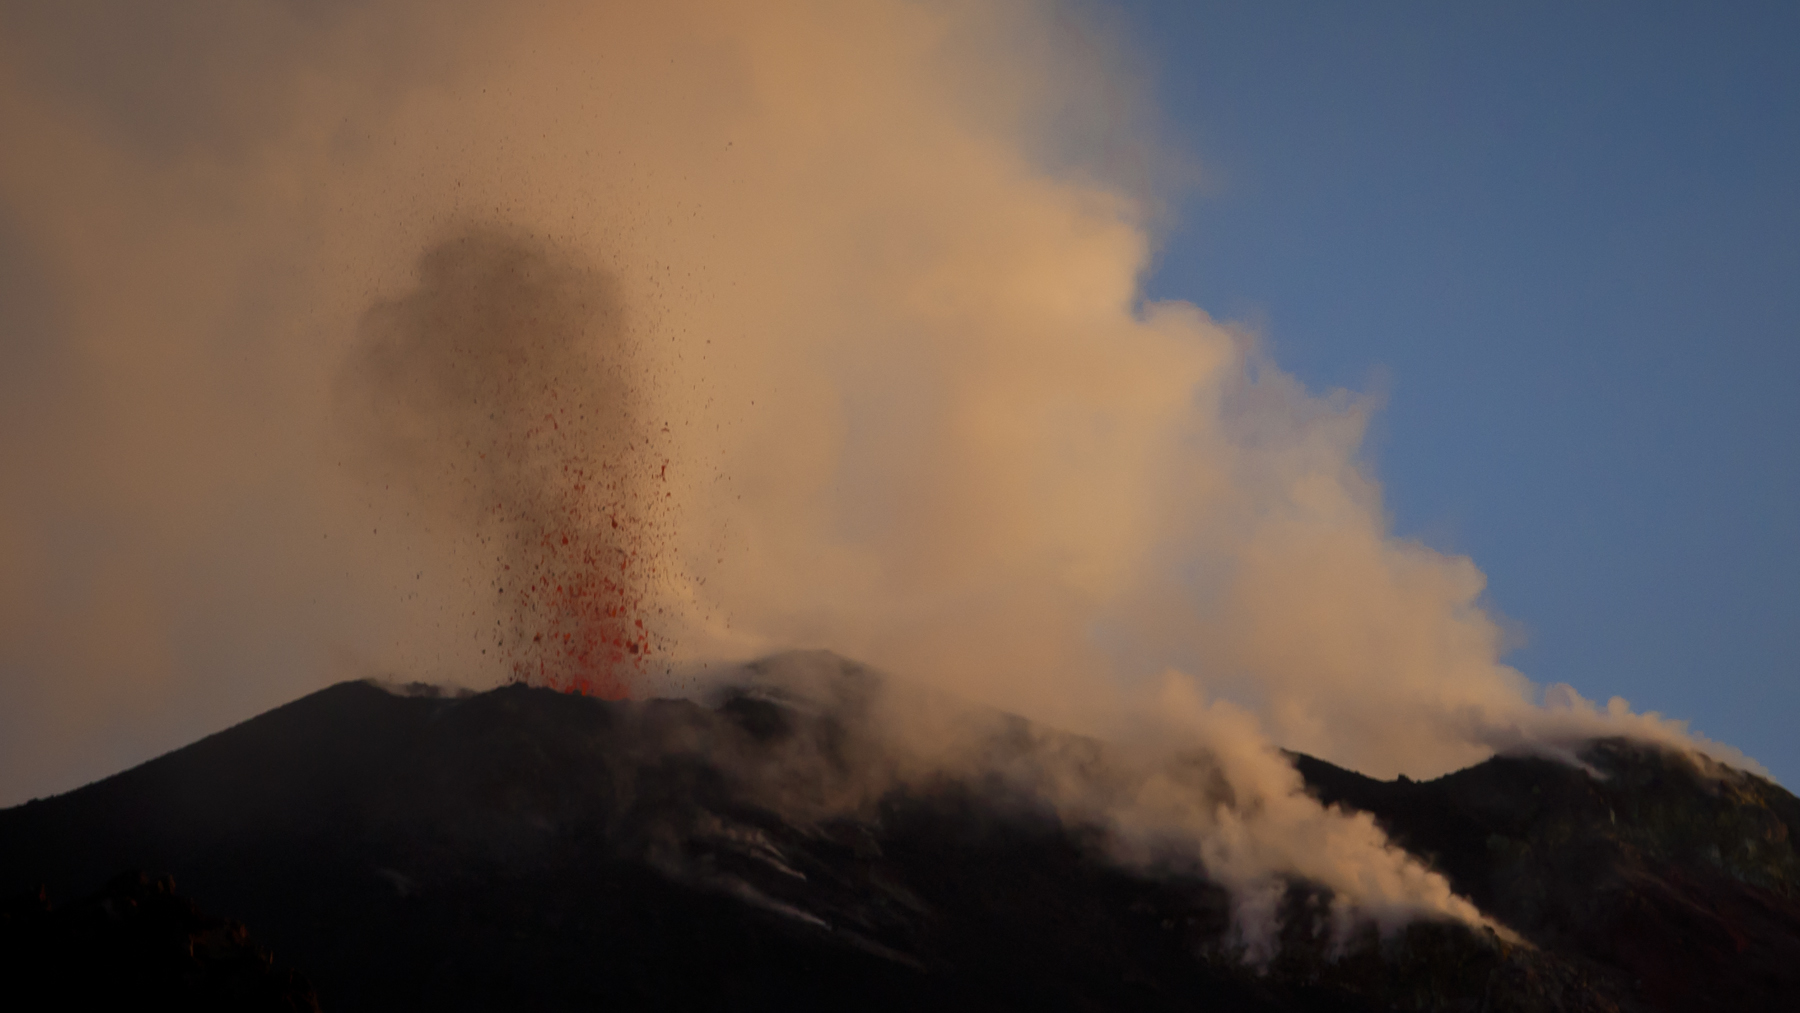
(1565, 240)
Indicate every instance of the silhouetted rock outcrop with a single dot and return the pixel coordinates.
(135, 944)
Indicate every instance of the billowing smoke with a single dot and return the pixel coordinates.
(832, 307)
(502, 394)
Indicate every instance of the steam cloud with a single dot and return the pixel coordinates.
(832, 307)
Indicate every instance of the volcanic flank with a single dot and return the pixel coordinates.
(776, 845)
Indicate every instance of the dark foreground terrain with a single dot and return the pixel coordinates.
(524, 849)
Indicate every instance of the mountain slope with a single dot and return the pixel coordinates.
(528, 849)
(1680, 877)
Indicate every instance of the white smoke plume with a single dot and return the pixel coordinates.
(878, 266)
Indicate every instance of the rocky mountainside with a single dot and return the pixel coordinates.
(132, 943)
(1683, 879)
(525, 849)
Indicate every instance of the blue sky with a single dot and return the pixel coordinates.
(1564, 239)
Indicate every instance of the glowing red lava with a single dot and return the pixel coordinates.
(579, 562)
(508, 390)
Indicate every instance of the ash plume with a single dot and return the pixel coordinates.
(500, 392)
(833, 309)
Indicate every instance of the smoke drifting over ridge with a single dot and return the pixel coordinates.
(873, 266)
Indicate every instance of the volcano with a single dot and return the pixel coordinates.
(380, 847)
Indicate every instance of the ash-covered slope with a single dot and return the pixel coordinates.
(525, 849)
(1680, 875)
